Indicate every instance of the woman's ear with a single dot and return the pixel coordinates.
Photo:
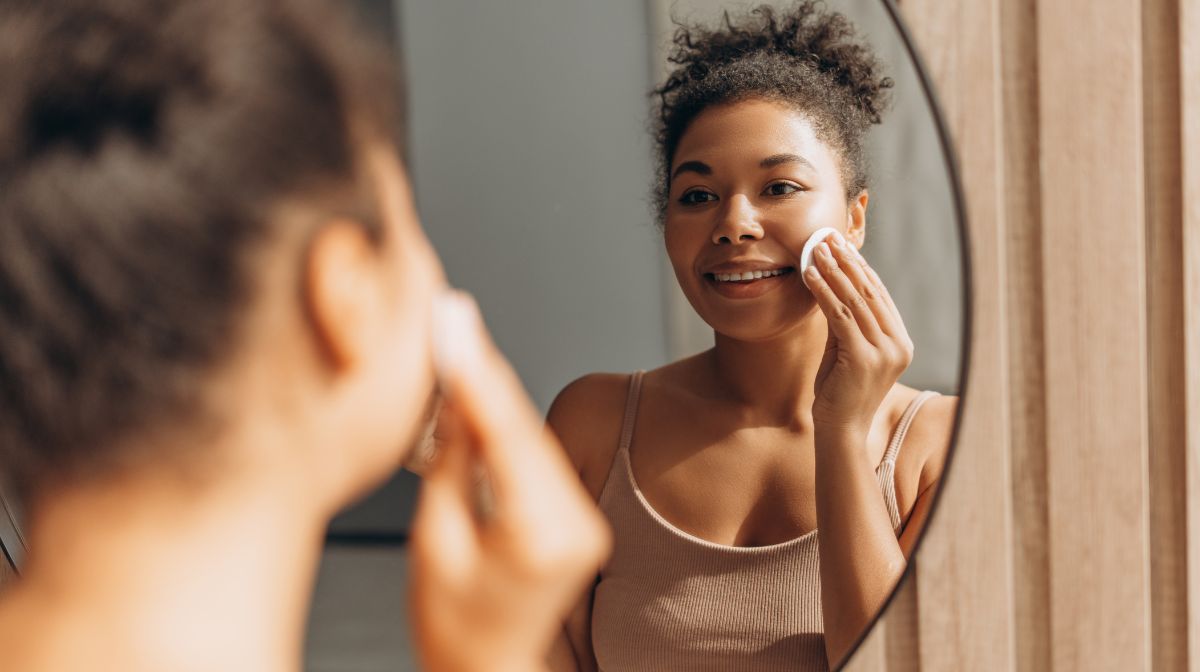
(343, 296)
(856, 219)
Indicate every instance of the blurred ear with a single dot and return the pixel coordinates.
(343, 294)
(856, 219)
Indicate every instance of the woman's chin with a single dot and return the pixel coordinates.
(758, 321)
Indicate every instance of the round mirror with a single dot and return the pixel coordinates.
(533, 155)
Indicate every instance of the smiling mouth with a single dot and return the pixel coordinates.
(748, 276)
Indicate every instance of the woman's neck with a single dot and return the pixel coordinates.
(142, 576)
(775, 375)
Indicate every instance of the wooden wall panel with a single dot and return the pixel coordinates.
(1088, 270)
(1189, 34)
(1026, 331)
(1084, 383)
(1090, 102)
(903, 633)
(1165, 335)
(871, 654)
(959, 568)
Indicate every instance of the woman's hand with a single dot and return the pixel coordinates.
(493, 576)
(868, 346)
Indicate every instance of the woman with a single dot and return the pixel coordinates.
(216, 318)
(717, 471)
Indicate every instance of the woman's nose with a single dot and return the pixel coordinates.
(738, 222)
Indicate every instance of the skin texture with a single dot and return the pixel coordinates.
(782, 423)
(210, 566)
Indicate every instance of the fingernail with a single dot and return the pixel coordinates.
(810, 273)
(455, 330)
(839, 240)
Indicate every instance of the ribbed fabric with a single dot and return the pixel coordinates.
(886, 471)
(668, 600)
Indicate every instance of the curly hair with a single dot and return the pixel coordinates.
(143, 147)
(807, 58)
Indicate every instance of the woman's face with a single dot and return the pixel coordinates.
(750, 182)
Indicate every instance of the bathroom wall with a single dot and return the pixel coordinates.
(530, 154)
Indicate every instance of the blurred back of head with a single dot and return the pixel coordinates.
(144, 145)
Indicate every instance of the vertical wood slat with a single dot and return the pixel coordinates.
(963, 569)
(1189, 36)
(892, 645)
(1026, 328)
(871, 654)
(903, 628)
(1165, 336)
(1093, 206)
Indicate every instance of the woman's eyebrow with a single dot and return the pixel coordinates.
(692, 167)
(780, 159)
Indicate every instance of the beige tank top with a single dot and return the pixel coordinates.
(667, 600)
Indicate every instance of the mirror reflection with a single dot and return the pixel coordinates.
(711, 415)
(736, 302)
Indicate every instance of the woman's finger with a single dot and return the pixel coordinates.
(445, 526)
(531, 483)
(856, 269)
(883, 291)
(848, 295)
(842, 324)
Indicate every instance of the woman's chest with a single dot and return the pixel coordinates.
(746, 488)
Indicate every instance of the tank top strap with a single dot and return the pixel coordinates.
(906, 420)
(886, 471)
(617, 469)
(631, 406)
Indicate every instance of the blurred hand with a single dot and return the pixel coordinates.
(492, 581)
(868, 346)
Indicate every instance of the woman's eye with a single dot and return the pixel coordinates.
(782, 189)
(696, 196)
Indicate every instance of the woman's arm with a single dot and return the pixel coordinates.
(572, 652)
(490, 585)
(868, 349)
(864, 564)
(861, 559)
(586, 418)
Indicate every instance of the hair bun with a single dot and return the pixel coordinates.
(807, 33)
(112, 81)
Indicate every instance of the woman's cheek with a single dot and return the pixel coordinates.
(803, 221)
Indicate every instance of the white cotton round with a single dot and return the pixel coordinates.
(806, 256)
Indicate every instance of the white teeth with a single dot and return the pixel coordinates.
(748, 275)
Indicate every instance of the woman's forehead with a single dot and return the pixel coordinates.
(750, 131)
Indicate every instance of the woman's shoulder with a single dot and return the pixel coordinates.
(586, 417)
(927, 441)
(587, 414)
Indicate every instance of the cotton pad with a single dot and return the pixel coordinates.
(806, 256)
